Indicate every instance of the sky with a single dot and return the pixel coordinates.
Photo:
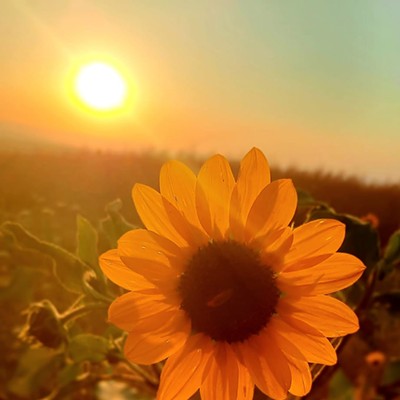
(314, 84)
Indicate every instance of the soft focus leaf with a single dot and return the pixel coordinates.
(392, 250)
(114, 225)
(69, 374)
(67, 267)
(340, 388)
(36, 369)
(87, 242)
(88, 347)
(391, 373)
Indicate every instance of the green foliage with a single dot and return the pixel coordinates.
(87, 239)
(56, 350)
(114, 225)
(88, 347)
(340, 387)
(392, 251)
(36, 368)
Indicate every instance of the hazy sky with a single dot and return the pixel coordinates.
(315, 84)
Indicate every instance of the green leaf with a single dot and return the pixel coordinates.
(392, 250)
(67, 267)
(115, 225)
(36, 371)
(305, 199)
(88, 347)
(340, 388)
(87, 245)
(69, 374)
(391, 373)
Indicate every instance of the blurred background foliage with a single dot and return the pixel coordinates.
(58, 212)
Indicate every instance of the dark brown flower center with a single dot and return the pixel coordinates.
(227, 292)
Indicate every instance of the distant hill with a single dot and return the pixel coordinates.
(43, 182)
(15, 137)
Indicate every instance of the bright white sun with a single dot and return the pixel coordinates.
(100, 86)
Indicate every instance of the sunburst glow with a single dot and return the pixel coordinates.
(100, 86)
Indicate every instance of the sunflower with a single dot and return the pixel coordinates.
(223, 287)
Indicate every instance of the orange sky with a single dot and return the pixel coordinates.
(315, 86)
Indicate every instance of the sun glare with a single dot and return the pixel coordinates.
(100, 86)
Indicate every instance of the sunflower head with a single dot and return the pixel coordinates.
(227, 292)
(225, 288)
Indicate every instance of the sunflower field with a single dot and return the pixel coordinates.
(163, 317)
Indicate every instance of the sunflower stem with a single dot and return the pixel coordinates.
(80, 311)
(148, 378)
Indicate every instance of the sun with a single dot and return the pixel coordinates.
(100, 86)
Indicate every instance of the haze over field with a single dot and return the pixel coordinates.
(315, 85)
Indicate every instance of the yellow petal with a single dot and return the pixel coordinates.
(156, 345)
(308, 341)
(301, 377)
(154, 257)
(273, 209)
(115, 270)
(266, 364)
(178, 185)
(214, 187)
(182, 374)
(274, 246)
(316, 238)
(337, 272)
(326, 314)
(160, 216)
(253, 177)
(245, 384)
(135, 311)
(225, 378)
(145, 244)
(286, 345)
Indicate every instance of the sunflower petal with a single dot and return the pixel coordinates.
(326, 314)
(182, 374)
(309, 342)
(156, 345)
(178, 185)
(149, 245)
(245, 384)
(117, 272)
(337, 272)
(135, 311)
(301, 377)
(273, 208)
(225, 378)
(154, 257)
(253, 177)
(160, 216)
(266, 364)
(274, 246)
(214, 187)
(321, 237)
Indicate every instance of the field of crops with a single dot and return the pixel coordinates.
(59, 211)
